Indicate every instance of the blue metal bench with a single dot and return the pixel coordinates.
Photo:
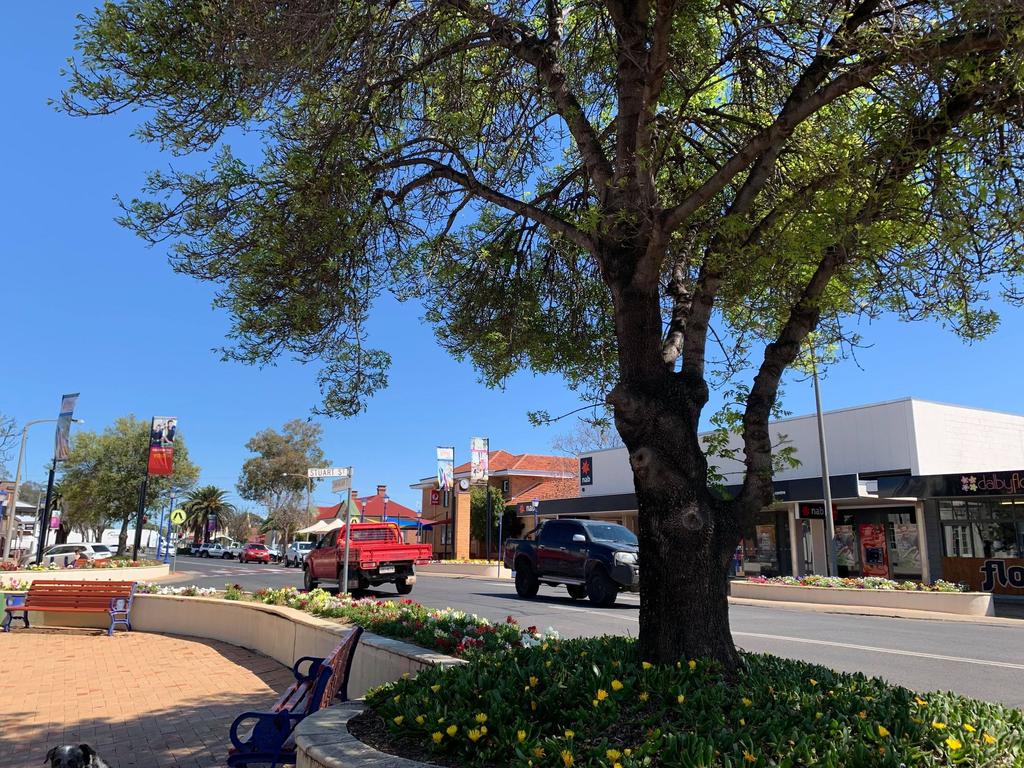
(271, 737)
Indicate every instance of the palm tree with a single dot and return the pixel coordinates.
(202, 504)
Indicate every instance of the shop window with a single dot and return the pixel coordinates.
(989, 528)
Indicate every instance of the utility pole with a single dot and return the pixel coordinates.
(830, 525)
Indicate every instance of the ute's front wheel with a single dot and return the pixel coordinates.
(526, 581)
(308, 581)
(601, 590)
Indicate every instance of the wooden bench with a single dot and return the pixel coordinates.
(113, 598)
(270, 739)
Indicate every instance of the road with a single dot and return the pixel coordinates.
(976, 659)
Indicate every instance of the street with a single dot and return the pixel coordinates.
(975, 659)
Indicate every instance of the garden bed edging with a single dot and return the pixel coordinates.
(138, 573)
(962, 603)
(323, 740)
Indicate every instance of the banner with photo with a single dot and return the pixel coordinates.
(478, 460)
(445, 468)
(62, 441)
(161, 445)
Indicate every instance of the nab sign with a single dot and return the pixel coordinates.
(587, 471)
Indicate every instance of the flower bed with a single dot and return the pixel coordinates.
(111, 562)
(14, 585)
(191, 590)
(594, 703)
(868, 582)
(449, 631)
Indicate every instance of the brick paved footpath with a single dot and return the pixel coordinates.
(139, 699)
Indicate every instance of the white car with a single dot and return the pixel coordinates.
(296, 553)
(214, 550)
(66, 554)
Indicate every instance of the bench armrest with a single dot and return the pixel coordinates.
(270, 730)
(314, 666)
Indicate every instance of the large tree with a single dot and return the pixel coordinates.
(102, 477)
(276, 475)
(203, 505)
(652, 197)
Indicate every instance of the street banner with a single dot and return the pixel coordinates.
(341, 485)
(161, 445)
(62, 441)
(478, 467)
(445, 468)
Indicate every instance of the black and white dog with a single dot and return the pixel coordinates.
(69, 756)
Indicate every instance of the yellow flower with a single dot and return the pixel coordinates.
(883, 731)
(969, 728)
(521, 735)
(435, 688)
(397, 698)
(693, 664)
(567, 759)
(481, 718)
(920, 702)
(437, 736)
(595, 703)
(862, 715)
(989, 739)
(474, 735)
(680, 698)
(613, 754)
(644, 696)
(483, 729)
(544, 647)
(569, 734)
(646, 665)
(742, 721)
(749, 757)
(420, 719)
(617, 765)
(547, 663)
(452, 730)
(398, 720)
(746, 702)
(812, 681)
(538, 751)
(818, 715)
(679, 665)
(602, 694)
(533, 681)
(938, 726)
(627, 751)
(953, 744)
(533, 706)
(616, 685)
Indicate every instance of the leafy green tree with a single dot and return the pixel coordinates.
(276, 475)
(8, 438)
(102, 477)
(203, 505)
(241, 523)
(478, 513)
(652, 198)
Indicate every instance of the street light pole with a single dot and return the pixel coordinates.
(830, 525)
(12, 509)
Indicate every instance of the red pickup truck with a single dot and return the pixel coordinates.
(377, 555)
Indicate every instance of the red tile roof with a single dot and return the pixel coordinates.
(374, 508)
(529, 462)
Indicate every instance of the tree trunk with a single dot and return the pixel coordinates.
(122, 539)
(684, 611)
(62, 532)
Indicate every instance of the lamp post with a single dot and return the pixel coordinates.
(12, 509)
(386, 500)
(830, 525)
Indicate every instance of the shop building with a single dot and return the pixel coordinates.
(920, 490)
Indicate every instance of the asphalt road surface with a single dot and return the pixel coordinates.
(977, 659)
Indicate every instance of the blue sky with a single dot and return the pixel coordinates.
(87, 307)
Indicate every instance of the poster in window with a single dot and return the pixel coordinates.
(846, 546)
(766, 542)
(873, 550)
(908, 553)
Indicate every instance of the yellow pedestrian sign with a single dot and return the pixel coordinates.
(178, 516)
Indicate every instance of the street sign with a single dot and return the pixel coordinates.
(341, 484)
(328, 472)
(178, 516)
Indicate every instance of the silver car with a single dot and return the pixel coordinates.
(65, 555)
(296, 553)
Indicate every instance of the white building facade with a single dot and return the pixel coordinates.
(921, 490)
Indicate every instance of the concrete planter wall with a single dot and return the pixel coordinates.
(465, 569)
(322, 740)
(142, 573)
(963, 603)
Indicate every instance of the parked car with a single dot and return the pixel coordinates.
(254, 553)
(214, 550)
(66, 554)
(591, 558)
(296, 553)
(377, 555)
(234, 549)
(276, 554)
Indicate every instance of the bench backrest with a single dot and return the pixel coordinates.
(78, 594)
(340, 662)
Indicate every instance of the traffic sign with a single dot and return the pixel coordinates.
(341, 484)
(178, 516)
(328, 472)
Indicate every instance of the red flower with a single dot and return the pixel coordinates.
(531, 630)
(510, 620)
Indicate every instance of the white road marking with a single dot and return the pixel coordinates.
(894, 651)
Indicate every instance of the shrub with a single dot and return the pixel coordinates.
(868, 582)
(233, 592)
(594, 703)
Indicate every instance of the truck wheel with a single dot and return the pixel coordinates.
(601, 590)
(526, 581)
(308, 581)
(577, 591)
(403, 587)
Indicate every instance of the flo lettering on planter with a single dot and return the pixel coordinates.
(998, 573)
